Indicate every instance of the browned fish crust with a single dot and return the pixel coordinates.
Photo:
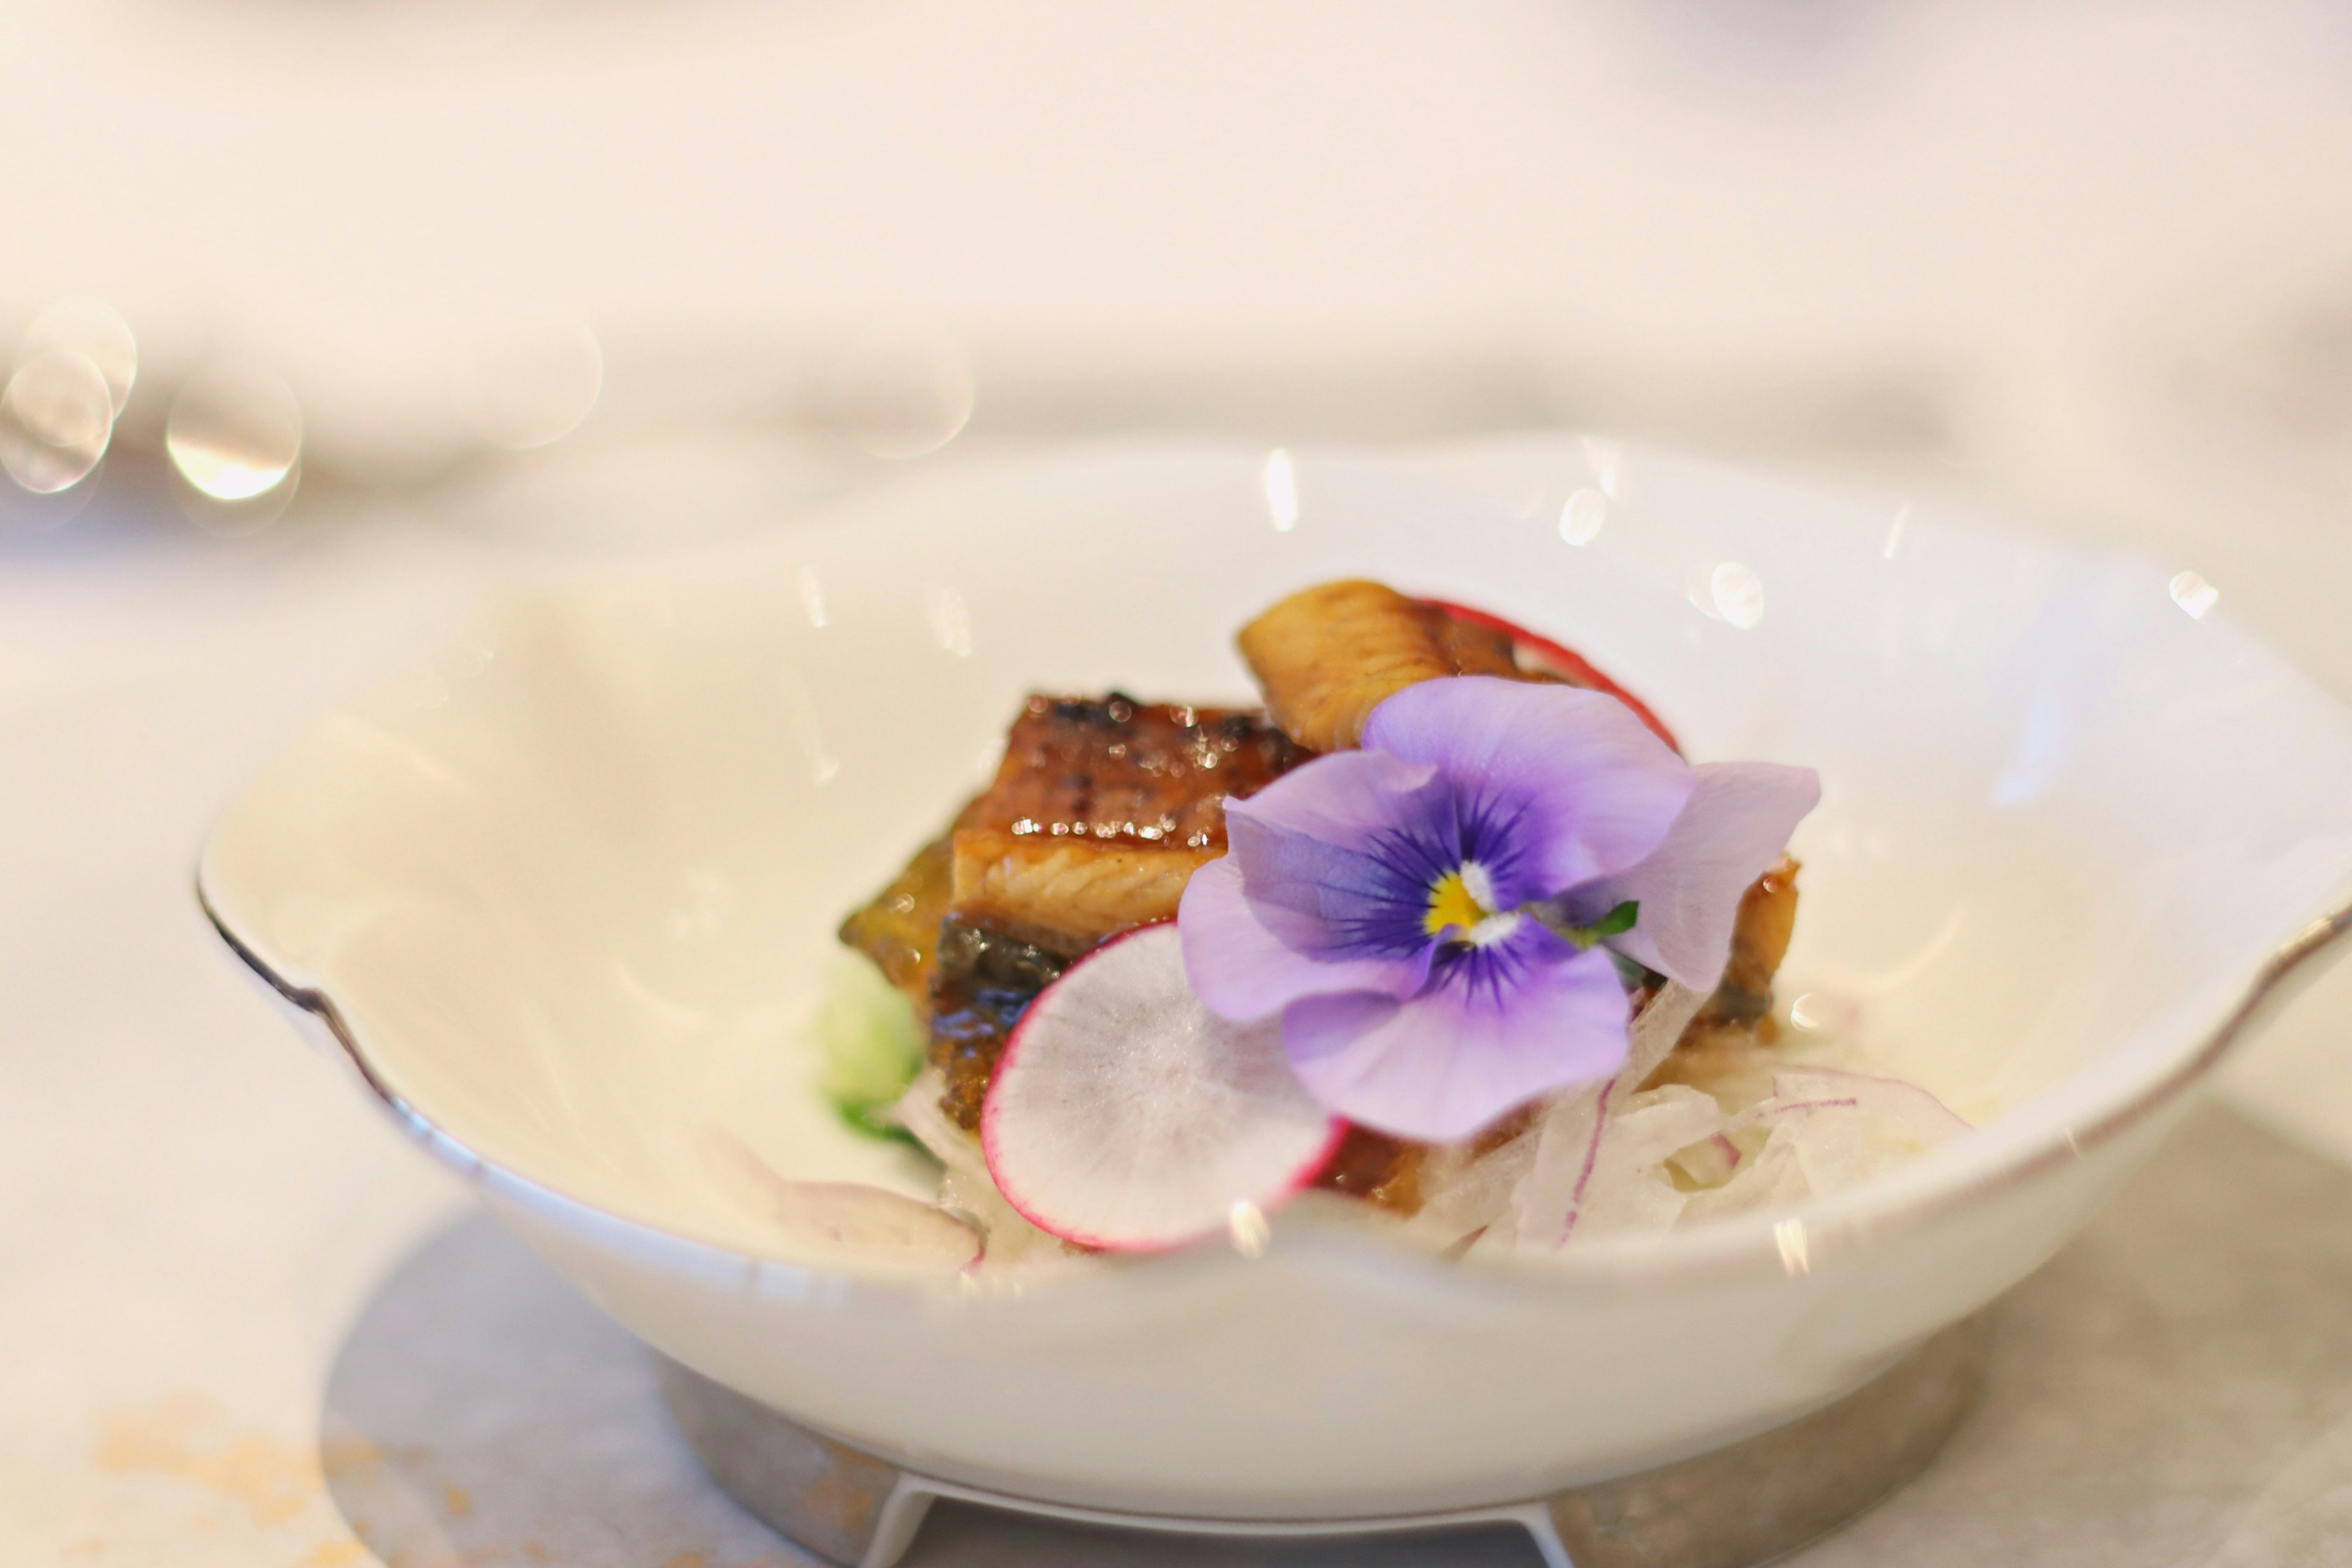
(1117, 770)
(899, 930)
(1327, 655)
(983, 981)
(1759, 940)
(1475, 649)
(1069, 892)
(1100, 813)
(1760, 937)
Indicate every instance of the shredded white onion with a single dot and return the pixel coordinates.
(1745, 1129)
(1742, 1129)
(965, 1185)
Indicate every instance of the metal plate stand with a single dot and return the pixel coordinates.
(1749, 1503)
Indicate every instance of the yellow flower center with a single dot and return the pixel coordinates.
(1453, 901)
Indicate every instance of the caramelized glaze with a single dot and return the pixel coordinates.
(1098, 815)
(1117, 771)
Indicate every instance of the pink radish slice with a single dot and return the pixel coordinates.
(1125, 1116)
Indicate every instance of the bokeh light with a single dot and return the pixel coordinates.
(95, 331)
(56, 416)
(1581, 518)
(2194, 595)
(1281, 479)
(1736, 595)
(234, 431)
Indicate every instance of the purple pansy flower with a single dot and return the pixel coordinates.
(1429, 914)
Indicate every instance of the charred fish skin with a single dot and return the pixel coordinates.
(1327, 655)
(1760, 941)
(1101, 812)
(1066, 892)
(1115, 769)
(983, 981)
(1080, 774)
(1098, 815)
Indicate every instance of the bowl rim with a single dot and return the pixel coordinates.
(1797, 1243)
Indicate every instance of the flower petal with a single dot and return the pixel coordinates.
(1441, 1065)
(1562, 785)
(1246, 959)
(1350, 800)
(1353, 842)
(1735, 827)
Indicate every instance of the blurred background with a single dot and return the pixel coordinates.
(314, 318)
(567, 276)
(2096, 258)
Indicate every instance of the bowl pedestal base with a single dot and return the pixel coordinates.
(1747, 1503)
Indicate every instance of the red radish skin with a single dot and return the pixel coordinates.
(1107, 1244)
(1560, 660)
(1044, 1014)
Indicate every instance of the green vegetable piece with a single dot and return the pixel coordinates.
(870, 1043)
(1616, 922)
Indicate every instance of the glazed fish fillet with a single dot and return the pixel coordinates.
(1327, 655)
(899, 930)
(1066, 892)
(1100, 813)
(1119, 770)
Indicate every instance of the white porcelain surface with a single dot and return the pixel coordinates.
(568, 885)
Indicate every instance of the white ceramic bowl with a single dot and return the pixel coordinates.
(562, 892)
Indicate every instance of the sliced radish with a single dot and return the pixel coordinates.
(1125, 1116)
(1542, 653)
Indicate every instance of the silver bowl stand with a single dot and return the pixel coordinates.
(1750, 1502)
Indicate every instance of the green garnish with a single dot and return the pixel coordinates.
(1616, 922)
(871, 1046)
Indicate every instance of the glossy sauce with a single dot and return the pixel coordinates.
(1117, 770)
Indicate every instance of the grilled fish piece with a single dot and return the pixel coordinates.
(1079, 773)
(982, 981)
(899, 930)
(1760, 933)
(1742, 1004)
(1327, 655)
(1121, 771)
(1100, 813)
(1064, 893)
